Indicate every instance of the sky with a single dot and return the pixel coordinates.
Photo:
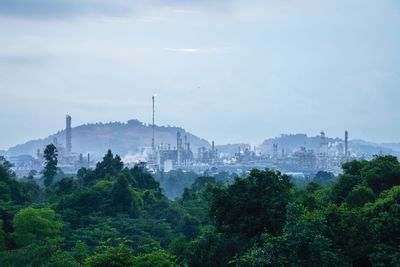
(229, 71)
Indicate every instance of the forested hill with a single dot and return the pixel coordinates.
(122, 138)
(117, 216)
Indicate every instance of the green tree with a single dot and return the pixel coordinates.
(383, 217)
(381, 173)
(359, 196)
(50, 169)
(36, 254)
(2, 236)
(302, 243)
(324, 178)
(109, 166)
(155, 259)
(252, 205)
(5, 167)
(5, 192)
(179, 248)
(65, 185)
(80, 251)
(123, 198)
(213, 249)
(120, 256)
(10, 188)
(32, 225)
(143, 180)
(61, 258)
(344, 186)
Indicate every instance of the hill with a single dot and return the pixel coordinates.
(293, 142)
(122, 138)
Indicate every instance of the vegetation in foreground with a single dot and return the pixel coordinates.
(117, 216)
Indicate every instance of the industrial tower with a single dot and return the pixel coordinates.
(152, 136)
(68, 135)
(346, 144)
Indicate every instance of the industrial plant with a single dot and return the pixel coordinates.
(163, 156)
(167, 157)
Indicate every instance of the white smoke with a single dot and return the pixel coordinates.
(131, 159)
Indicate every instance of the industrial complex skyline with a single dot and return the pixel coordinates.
(229, 71)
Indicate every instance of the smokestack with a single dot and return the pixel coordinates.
(68, 137)
(185, 144)
(346, 143)
(275, 151)
(152, 138)
(178, 148)
(322, 142)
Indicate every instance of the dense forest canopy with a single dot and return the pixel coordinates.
(117, 216)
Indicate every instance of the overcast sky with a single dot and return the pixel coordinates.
(232, 71)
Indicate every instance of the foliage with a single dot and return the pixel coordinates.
(10, 188)
(120, 256)
(252, 205)
(2, 236)
(302, 243)
(50, 170)
(118, 216)
(324, 178)
(123, 198)
(155, 259)
(32, 225)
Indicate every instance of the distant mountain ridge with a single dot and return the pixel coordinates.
(134, 136)
(293, 142)
(122, 138)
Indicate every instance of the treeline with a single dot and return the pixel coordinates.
(118, 216)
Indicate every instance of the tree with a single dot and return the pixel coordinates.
(302, 243)
(61, 258)
(324, 178)
(344, 186)
(10, 188)
(359, 196)
(80, 251)
(65, 185)
(36, 254)
(5, 167)
(2, 236)
(32, 225)
(123, 198)
(50, 169)
(383, 217)
(155, 259)
(109, 166)
(179, 248)
(252, 205)
(213, 249)
(381, 173)
(120, 256)
(143, 180)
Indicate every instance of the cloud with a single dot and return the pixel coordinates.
(184, 50)
(195, 50)
(58, 9)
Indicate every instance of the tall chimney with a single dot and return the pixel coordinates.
(152, 137)
(178, 148)
(346, 143)
(68, 141)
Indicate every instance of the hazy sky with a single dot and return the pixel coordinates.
(233, 71)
